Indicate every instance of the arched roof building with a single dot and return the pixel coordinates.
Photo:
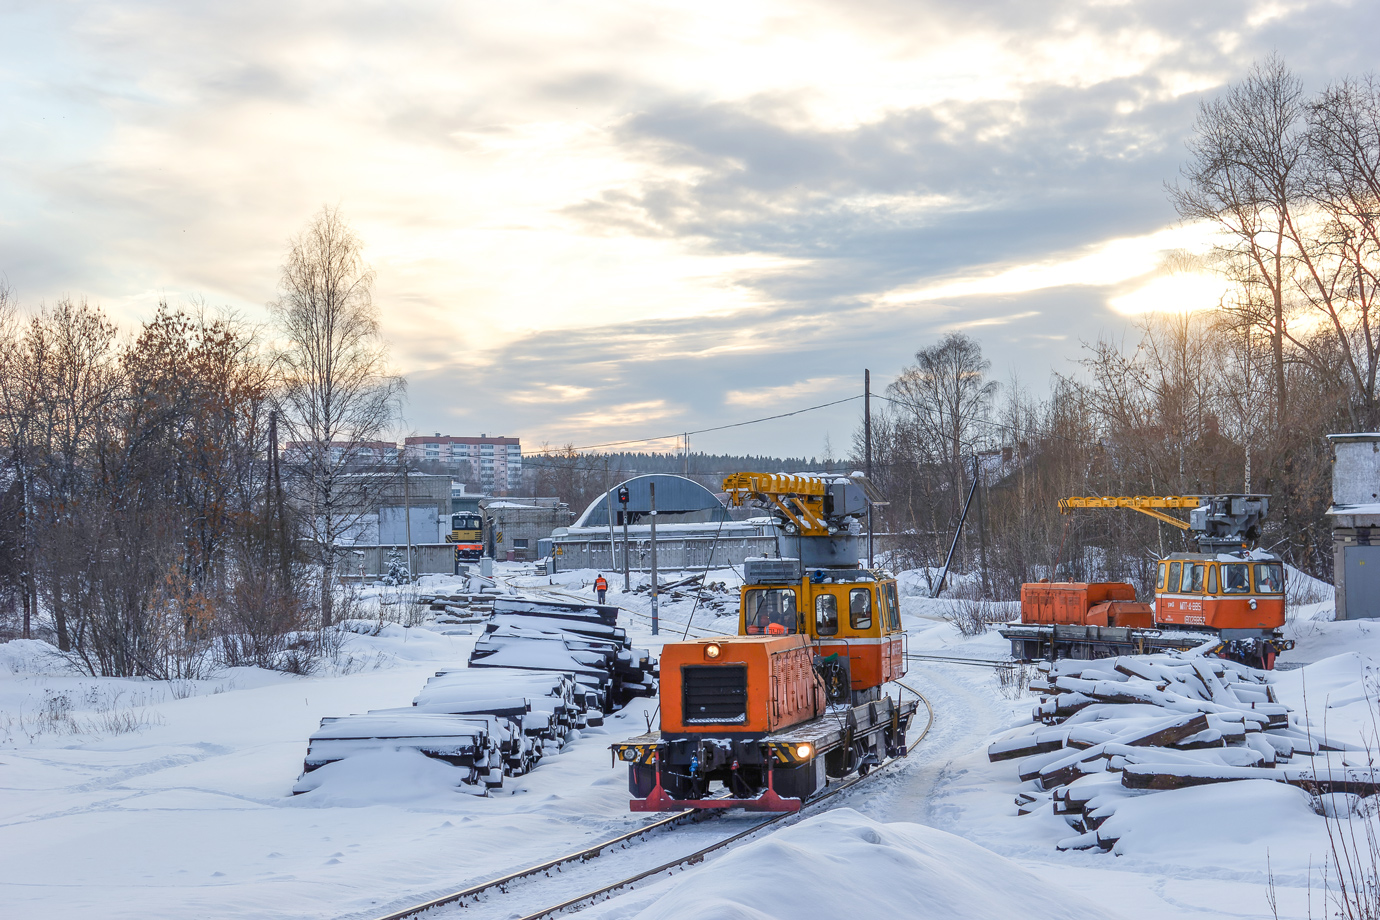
(694, 530)
(678, 501)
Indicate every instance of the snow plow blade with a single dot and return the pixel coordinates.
(658, 800)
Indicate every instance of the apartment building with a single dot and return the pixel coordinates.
(496, 462)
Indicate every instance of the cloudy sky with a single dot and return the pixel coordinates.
(603, 221)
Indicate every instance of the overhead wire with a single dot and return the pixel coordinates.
(755, 421)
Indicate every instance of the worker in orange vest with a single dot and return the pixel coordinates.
(601, 585)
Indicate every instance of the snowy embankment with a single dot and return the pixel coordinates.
(1203, 851)
(843, 864)
(132, 798)
(125, 798)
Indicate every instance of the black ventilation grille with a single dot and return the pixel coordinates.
(714, 694)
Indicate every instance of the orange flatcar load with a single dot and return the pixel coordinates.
(1108, 603)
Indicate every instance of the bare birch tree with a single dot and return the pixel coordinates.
(1342, 280)
(337, 392)
(947, 398)
(1246, 176)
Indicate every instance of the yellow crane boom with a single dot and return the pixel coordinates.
(799, 498)
(1145, 504)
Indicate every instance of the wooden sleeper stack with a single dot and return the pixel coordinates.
(1114, 728)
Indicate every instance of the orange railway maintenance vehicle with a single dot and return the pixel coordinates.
(1228, 591)
(796, 698)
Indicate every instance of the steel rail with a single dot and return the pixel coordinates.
(699, 855)
(693, 858)
(552, 590)
(959, 659)
(587, 853)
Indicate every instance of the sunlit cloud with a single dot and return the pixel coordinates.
(1177, 293)
(637, 413)
(1107, 263)
(575, 209)
(550, 393)
(791, 394)
(992, 321)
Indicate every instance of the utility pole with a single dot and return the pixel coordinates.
(685, 455)
(867, 452)
(982, 524)
(623, 502)
(27, 580)
(656, 623)
(284, 550)
(407, 515)
(608, 509)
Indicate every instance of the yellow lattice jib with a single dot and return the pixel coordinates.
(1145, 504)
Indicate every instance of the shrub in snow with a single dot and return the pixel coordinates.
(398, 572)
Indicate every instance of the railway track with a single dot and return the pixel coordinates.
(671, 627)
(960, 659)
(465, 898)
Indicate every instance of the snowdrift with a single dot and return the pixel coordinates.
(842, 864)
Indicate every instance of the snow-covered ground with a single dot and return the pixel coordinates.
(127, 798)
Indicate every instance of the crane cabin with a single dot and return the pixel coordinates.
(853, 614)
(1236, 595)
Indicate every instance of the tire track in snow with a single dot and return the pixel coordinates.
(963, 720)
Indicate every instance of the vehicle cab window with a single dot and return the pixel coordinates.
(769, 611)
(1269, 578)
(893, 609)
(1193, 579)
(860, 608)
(1235, 578)
(1173, 578)
(826, 615)
(1164, 574)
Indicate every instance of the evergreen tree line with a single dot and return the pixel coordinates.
(579, 478)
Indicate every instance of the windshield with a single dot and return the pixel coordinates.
(893, 609)
(464, 522)
(826, 615)
(860, 608)
(1235, 579)
(769, 610)
(1269, 578)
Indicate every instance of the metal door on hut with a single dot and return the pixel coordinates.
(1362, 581)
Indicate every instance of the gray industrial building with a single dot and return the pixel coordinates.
(515, 528)
(693, 525)
(413, 511)
(1355, 516)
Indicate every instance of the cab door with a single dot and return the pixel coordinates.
(895, 649)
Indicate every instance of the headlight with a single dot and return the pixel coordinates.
(712, 650)
(804, 751)
(1252, 603)
(629, 753)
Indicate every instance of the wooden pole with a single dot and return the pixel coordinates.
(867, 452)
(656, 624)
